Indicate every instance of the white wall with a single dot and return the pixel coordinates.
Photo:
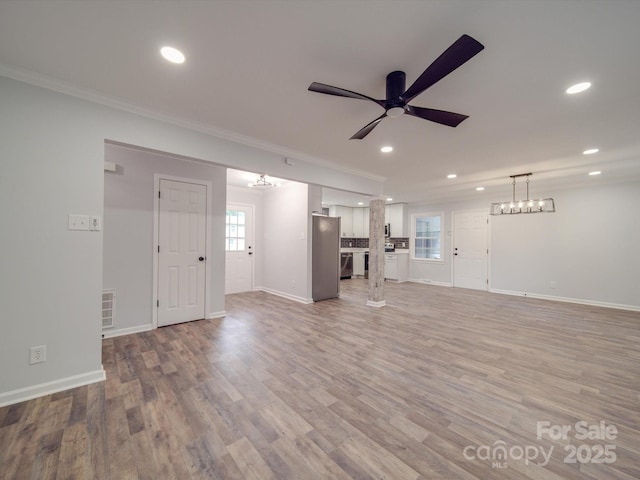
(129, 196)
(286, 242)
(314, 204)
(285, 222)
(51, 164)
(52, 154)
(588, 247)
(438, 273)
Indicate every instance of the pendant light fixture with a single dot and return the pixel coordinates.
(542, 205)
(262, 181)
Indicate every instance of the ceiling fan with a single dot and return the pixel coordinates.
(397, 101)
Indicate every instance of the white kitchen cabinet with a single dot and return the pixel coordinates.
(391, 267)
(358, 222)
(358, 263)
(346, 226)
(346, 219)
(361, 222)
(354, 221)
(396, 215)
(396, 267)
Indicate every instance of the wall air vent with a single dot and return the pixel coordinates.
(108, 308)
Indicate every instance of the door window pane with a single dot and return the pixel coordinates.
(235, 230)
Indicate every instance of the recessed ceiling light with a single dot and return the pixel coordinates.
(452, 175)
(597, 172)
(172, 54)
(389, 199)
(578, 87)
(386, 149)
(591, 151)
(479, 189)
(360, 203)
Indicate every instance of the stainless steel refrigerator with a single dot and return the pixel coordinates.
(325, 254)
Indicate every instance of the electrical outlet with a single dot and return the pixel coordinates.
(553, 284)
(38, 354)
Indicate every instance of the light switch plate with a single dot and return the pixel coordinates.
(78, 222)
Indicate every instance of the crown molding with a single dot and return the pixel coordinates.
(60, 86)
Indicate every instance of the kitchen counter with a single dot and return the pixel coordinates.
(396, 264)
(398, 251)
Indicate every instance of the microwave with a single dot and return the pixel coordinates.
(387, 230)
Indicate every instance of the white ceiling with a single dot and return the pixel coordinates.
(249, 64)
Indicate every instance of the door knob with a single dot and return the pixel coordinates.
(455, 254)
(250, 253)
(201, 259)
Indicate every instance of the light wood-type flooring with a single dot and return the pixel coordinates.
(338, 390)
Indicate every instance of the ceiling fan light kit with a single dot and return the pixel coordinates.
(541, 205)
(397, 99)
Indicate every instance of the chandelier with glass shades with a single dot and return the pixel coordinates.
(542, 205)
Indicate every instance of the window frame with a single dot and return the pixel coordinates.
(412, 238)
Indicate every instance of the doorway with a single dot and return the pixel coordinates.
(470, 249)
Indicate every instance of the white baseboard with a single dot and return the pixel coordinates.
(47, 388)
(371, 303)
(427, 281)
(295, 298)
(126, 331)
(594, 303)
(219, 314)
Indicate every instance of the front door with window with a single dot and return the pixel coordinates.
(470, 254)
(239, 249)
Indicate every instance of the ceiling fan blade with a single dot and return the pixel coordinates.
(340, 92)
(458, 53)
(439, 116)
(363, 132)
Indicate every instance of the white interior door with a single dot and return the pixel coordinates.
(470, 254)
(239, 249)
(181, 252)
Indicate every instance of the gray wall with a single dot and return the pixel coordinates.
(128, 231)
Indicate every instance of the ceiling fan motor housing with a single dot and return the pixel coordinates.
(396, 83)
